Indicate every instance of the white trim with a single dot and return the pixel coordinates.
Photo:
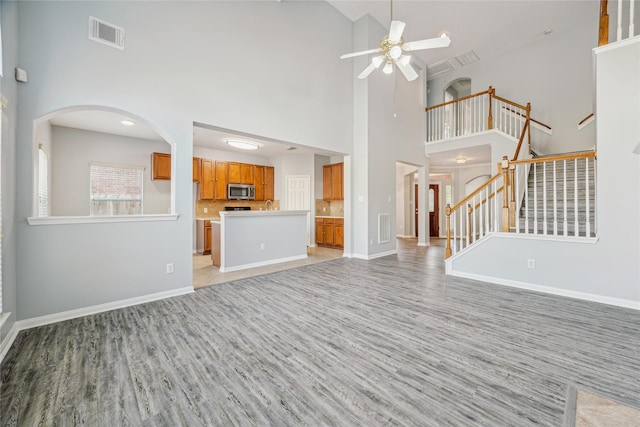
(261, 263)
(374, 256)
(60, 220)
(620, 302)
(94, 309)
(587, 122)
(405, 236)
(616, 44)
(8, 341)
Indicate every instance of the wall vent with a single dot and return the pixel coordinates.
(106, 33)
(467, 58)
(436, 69)
(384, 228)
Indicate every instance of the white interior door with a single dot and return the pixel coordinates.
(298, 197)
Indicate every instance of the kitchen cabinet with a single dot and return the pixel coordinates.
(203, 236)
(215, 244)
(160, 166)
(213, 180)
(330, 232)
(240, 173)
(196, 169)
(263, 180)
(333, 182)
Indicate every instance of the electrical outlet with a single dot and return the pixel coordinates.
(531, 263)
(170, 268)
(324, 209)
(262, 246)
(206, 210)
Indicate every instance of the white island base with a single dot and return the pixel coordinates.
(255, 238)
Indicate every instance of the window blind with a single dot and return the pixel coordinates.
(115, 189)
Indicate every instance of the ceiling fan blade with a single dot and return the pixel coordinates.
(375, 63)
(364, 52)
(443, 41)
(395, 31)
(407, 70)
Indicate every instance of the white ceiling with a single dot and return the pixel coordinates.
(489, 28)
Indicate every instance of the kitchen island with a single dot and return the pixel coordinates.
(255, 238)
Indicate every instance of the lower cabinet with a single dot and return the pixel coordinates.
(215, 244)
(330, 232)
(203, 236)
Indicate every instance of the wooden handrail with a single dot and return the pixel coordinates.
(506, 101)
(533, 120)
(521, 140)
(466, 199)
(571, 156)
(585, 119)
(458, 100)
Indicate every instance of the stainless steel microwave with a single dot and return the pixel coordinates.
(241, 192)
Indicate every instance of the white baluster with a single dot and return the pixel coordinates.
(516, 175)
(586, 191)
(620, 19)
(555, 201)
(565, 225)
(535, 198)
(544, 198)
(575, 196)
(526, 210)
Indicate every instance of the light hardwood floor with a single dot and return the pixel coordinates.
(347, 342)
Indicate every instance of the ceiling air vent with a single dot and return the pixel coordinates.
(106, 33)
(436, 69)
(467, 58)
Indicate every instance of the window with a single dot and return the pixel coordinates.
(115, 189)
(432, 202)
(448, 195)
(43, 184)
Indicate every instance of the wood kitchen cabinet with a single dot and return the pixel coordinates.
(215, 244)
(333, 181)
(330, 232)
(203, 236)
(241, 173)
(263, 182)
(213, 180)
(196, 169)
(160, 166)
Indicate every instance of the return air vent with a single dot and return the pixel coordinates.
(467, 58)
(106, 33)
(384, 228)
(439, 68)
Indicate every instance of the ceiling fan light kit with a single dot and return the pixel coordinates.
(392, 47)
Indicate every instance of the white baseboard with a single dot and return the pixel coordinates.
(8, 341)
(374, 256)
(261, 264)
(94, 309)
(619, 302)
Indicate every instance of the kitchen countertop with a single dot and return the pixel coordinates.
(329, 216)
(230, 214)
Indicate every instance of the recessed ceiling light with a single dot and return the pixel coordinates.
(243, 145)
(127, 122)
(461, 160)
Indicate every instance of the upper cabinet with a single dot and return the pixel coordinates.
(196, 169)
(160, 166)
(332, 182)
(263, 182)
(213, 180)
(241, 173)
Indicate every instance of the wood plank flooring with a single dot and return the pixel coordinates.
(342, 343)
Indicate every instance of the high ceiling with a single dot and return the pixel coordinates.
(487, 28)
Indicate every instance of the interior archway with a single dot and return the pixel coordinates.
(98, 161)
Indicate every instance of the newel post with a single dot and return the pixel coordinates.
(469, 226)
(505, 194)
(603, 33)
(490, 118)
(447, 251)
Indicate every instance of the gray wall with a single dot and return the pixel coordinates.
(554, 73)
(73, 150)
(9, 15)
(172, 73)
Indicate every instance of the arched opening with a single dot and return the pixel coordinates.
(456, 89)
(93, 161)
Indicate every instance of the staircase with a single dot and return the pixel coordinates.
(551, 204)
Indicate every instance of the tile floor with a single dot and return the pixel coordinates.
(205, 274)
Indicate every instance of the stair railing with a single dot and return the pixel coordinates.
(477, 113)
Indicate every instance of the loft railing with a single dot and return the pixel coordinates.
(560, 204)
(479, 113)
(624, 15)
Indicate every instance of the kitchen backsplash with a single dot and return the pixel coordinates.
(215, 206)
(332, 208)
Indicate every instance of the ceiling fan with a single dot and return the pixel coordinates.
(393, 46)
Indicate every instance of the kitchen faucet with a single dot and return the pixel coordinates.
(269, 205)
